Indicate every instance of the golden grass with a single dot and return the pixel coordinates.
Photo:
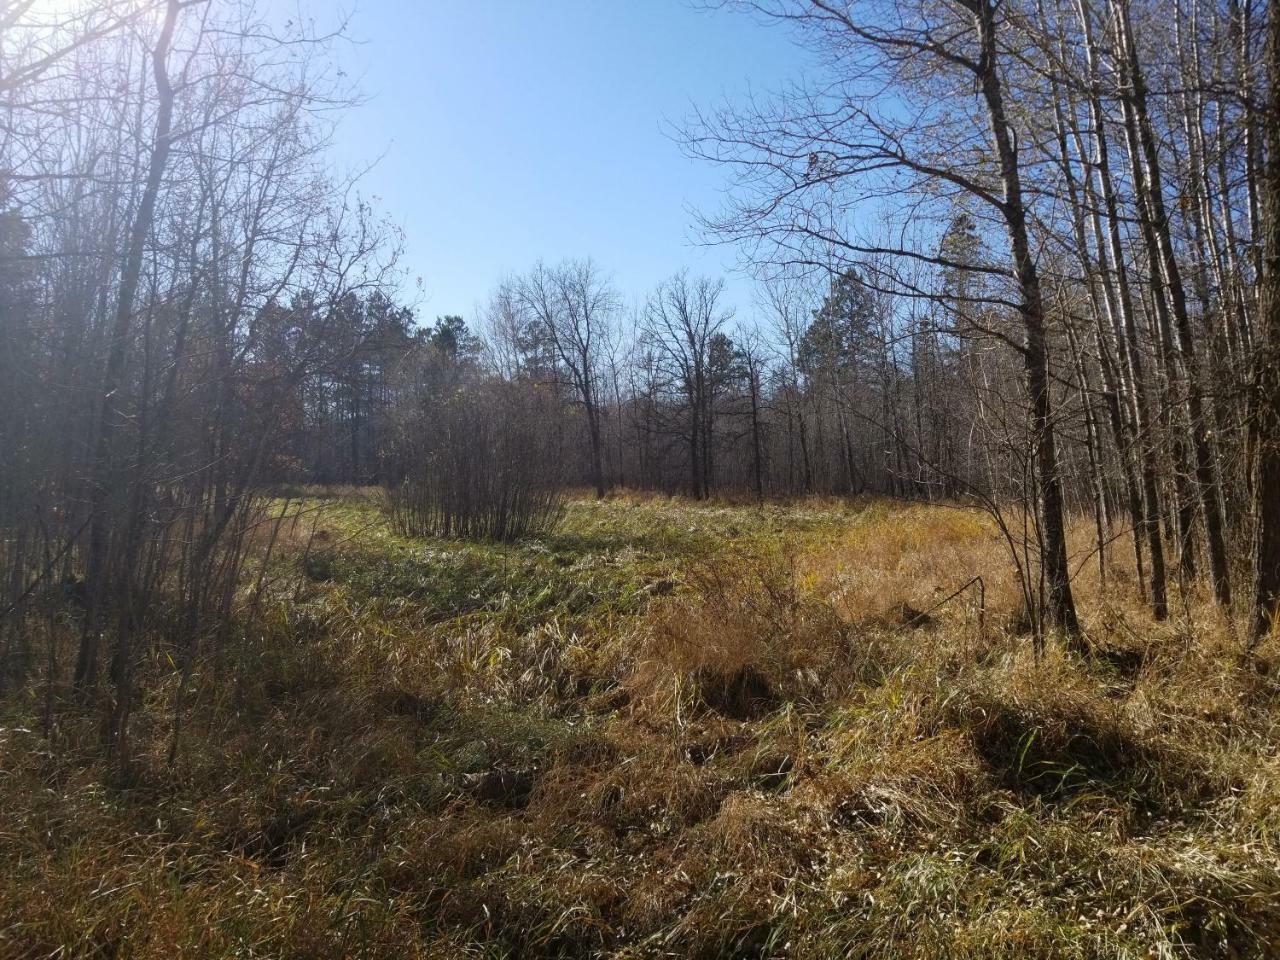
(684, 731)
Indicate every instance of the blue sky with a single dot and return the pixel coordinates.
(510, 130)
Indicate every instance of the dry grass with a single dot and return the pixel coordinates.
(667, 731)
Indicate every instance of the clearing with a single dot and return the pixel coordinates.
(669, 729)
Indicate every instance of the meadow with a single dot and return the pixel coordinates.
(667, 729)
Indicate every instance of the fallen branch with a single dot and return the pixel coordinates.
(982, 601)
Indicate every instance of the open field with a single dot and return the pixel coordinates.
(666, 730)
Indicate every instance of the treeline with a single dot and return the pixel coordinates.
(833, 391)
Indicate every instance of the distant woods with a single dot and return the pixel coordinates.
(1022, 255)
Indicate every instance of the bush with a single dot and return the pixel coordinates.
(478, 463)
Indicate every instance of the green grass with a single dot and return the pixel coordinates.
(604, 562)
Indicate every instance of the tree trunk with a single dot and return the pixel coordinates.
(1061, 611)
(1120, 306)
(597, 452)
(1266, 598)
(757, 458)
(1150, 184)
(104, 481)
(695, 450)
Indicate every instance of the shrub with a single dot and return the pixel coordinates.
(479, 463)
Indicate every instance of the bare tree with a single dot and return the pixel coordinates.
(572, 309)
(1266, 602)
(682, 317)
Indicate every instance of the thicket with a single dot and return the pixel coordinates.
(474, 457)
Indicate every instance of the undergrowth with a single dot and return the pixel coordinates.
(665, 730)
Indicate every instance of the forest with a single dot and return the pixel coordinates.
(925, 605)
